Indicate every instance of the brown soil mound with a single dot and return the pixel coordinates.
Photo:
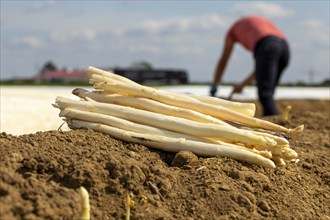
(40, 175)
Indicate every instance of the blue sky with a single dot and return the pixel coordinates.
(168, 34)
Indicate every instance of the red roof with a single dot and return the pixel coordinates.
(64, 74)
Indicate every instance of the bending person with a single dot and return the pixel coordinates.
(271, 54)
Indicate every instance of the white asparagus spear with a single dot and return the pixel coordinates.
(212, 110)
(288, 153)
(147, 104)
(125, 124)
(139, 128)
(244, 108)
(280, 162)
(106, 74)
(265, 153)
(168, 122)
(85, 207)
(279, 140)
(283, 151)
(176, 144)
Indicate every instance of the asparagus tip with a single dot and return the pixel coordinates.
(77, 91)
(85, 215)
(296, 131)
(55, 105)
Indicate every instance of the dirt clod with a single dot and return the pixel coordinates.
(184, 158)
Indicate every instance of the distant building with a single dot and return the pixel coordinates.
(157, 76)
(62, 76)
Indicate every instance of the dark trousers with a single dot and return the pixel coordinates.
(271, 57)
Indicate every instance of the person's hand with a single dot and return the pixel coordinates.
(238, 88)
(214, 89)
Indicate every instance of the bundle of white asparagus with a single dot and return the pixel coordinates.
(206, 126)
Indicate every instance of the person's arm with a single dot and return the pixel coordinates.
(228, 47)
(239, 87)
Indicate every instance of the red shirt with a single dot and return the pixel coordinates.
(249, 30)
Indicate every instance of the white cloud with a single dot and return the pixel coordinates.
(61, 37)
(188, 50)
(317, 32)
(27, 41)
(266, 9)
(149, 49)
(208, 22)
(312, 23)
(84, 34)
(41, 6)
